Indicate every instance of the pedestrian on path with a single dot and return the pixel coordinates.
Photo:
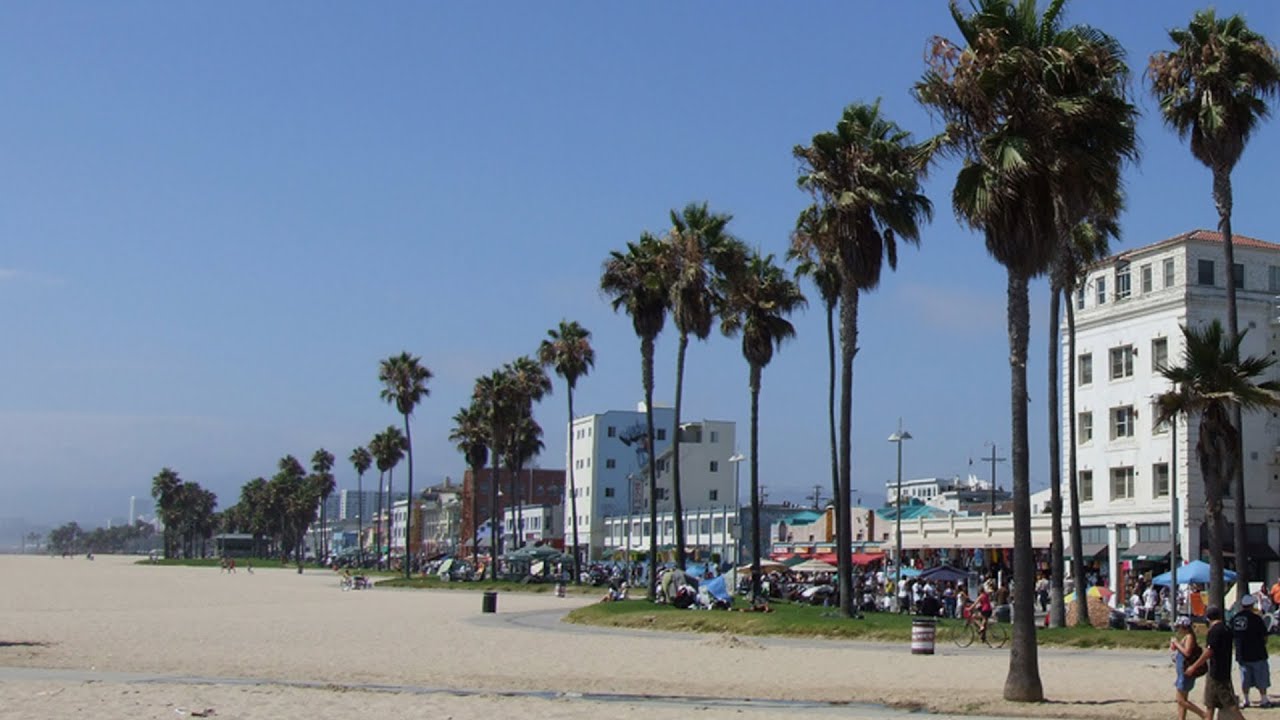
(1186, 650)
(1219, 696)
(1251, 651)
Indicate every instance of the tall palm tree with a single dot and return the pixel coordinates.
(528, 384)
(164, 488)
(1214, 88)
(1212, 378)
(404, 385)
(361, 460)
(865, 181)
(758, 299)
(378, 448)
(636, 281)
(825, 272)
(491, 397)
(322, 472)
(388, 449)
(471, 435)
(525, 444)
(568, 351)
(1038, 113)
(698, 242)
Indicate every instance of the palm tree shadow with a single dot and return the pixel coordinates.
(22, 643)
(1099, 703)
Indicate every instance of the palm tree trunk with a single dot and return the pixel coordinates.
(755, 483)
(391, 511)
(1222, 198)
(844, 510)
(1022, 684)
(1216, 451)
(1058, 617)
(360, 518)
(493, 516)
(831, 402)
(677, 509)
(377, 522)
(573, 500)
(646, 363)
(324, 540)
(408, 511)
(1073, 480)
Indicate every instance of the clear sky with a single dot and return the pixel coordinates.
(216, 219)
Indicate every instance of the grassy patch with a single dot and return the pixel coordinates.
(435, 583)
(809, 621)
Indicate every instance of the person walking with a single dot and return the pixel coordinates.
(1251, 651)
(1186, 650)
(1219, 697)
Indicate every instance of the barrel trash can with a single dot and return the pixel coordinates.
(490, 603)
(923, 632)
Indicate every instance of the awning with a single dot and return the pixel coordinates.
(867, 558)
(1148, 551)
(1257, 550)
(1090, 551)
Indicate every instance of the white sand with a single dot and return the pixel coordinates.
(276, 626)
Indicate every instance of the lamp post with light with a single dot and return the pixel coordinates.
(898, 438)
(737, 459)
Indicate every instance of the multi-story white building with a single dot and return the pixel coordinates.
(710, 529)
(706, 475)
(539, 523)
(1129, 312)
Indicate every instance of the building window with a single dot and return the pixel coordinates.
(1168, 272)
(608, 492)
(1159, 354)
(610, 463)
(1122, 422)
(1084, 373)
(1204, 272)
(1102, 290)
(1238, 271)
(1145, 272)
(1160, 479)
(662, 433)
(1122, 483)
(613, 431)
(1122, 283)
(1121, 362)
(1080, 299)
(1085, 429)
(1086, 486)
(714, 495)
(715, 436)
(715, 466)
(1273, 278)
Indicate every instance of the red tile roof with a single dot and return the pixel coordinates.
(1212, 236)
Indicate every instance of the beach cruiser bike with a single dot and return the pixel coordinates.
(968, 632)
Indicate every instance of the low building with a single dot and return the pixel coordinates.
(709, 534)
(537, 524)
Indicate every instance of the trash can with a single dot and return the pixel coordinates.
(923, 631)
(490, 604)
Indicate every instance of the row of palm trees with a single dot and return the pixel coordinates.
(186, 510)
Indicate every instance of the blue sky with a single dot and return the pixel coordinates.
(217, 219)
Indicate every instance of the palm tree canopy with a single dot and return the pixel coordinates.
(404, 381)
(1215, 84)
(700, 245)
(471, 435)
(567, 350)
(388, 448)
(528, 380)
(866, 178)
(361, 460)
(758, 299)
(637, 283)
(812, 247)
(1041, 115)
(1213, 373)
(526, 443)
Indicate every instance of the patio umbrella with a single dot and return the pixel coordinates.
(1196, 571)
(814, 566)
(944, 573)
(1097, 591)
(765, 566)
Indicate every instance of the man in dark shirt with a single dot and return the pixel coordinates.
(1251, 651)
(1218, 693)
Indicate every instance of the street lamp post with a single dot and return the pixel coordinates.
(1174, 521)
(737, 459)
(898, 438)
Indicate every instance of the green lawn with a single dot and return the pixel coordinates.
(434, 583)
(809, 621)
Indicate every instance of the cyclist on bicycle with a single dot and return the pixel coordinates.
(982, 609)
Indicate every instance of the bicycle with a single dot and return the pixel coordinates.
(964, 634)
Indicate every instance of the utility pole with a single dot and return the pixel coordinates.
(817, 497)
(993, 460)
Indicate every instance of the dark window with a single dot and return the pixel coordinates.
(715, 495)
(1204, 274)
(662, 434)
(608, 492)
(1238, 270)
(612, 431)
(610, 463)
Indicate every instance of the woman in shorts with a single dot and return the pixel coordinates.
(1186, 648)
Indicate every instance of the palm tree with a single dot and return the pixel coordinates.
(1039, 114)
(635, 280)
(528, 384)
(699, 243)
(568, 351)
(471, 434)
(388, 449)
(758, 299)
(404, 385)
(491, 398)
(164, 488)
(865, 181)
(361, 460)
(322, 472)
(1214, 88)
(1214, 377)
(806, 240)
(377, 447)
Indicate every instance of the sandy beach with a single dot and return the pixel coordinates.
(116, 640)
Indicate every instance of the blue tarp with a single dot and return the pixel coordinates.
(717, 588)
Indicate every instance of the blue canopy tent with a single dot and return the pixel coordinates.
(716, 587)
(944, 573)
(1196, 571)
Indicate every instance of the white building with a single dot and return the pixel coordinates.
(710, 529)
(706, 475)
(1128, 318)
(540, 523)
(925, 489)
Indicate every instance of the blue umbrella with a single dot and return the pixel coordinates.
(1196, 571)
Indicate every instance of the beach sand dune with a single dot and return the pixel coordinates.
(276, 627)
